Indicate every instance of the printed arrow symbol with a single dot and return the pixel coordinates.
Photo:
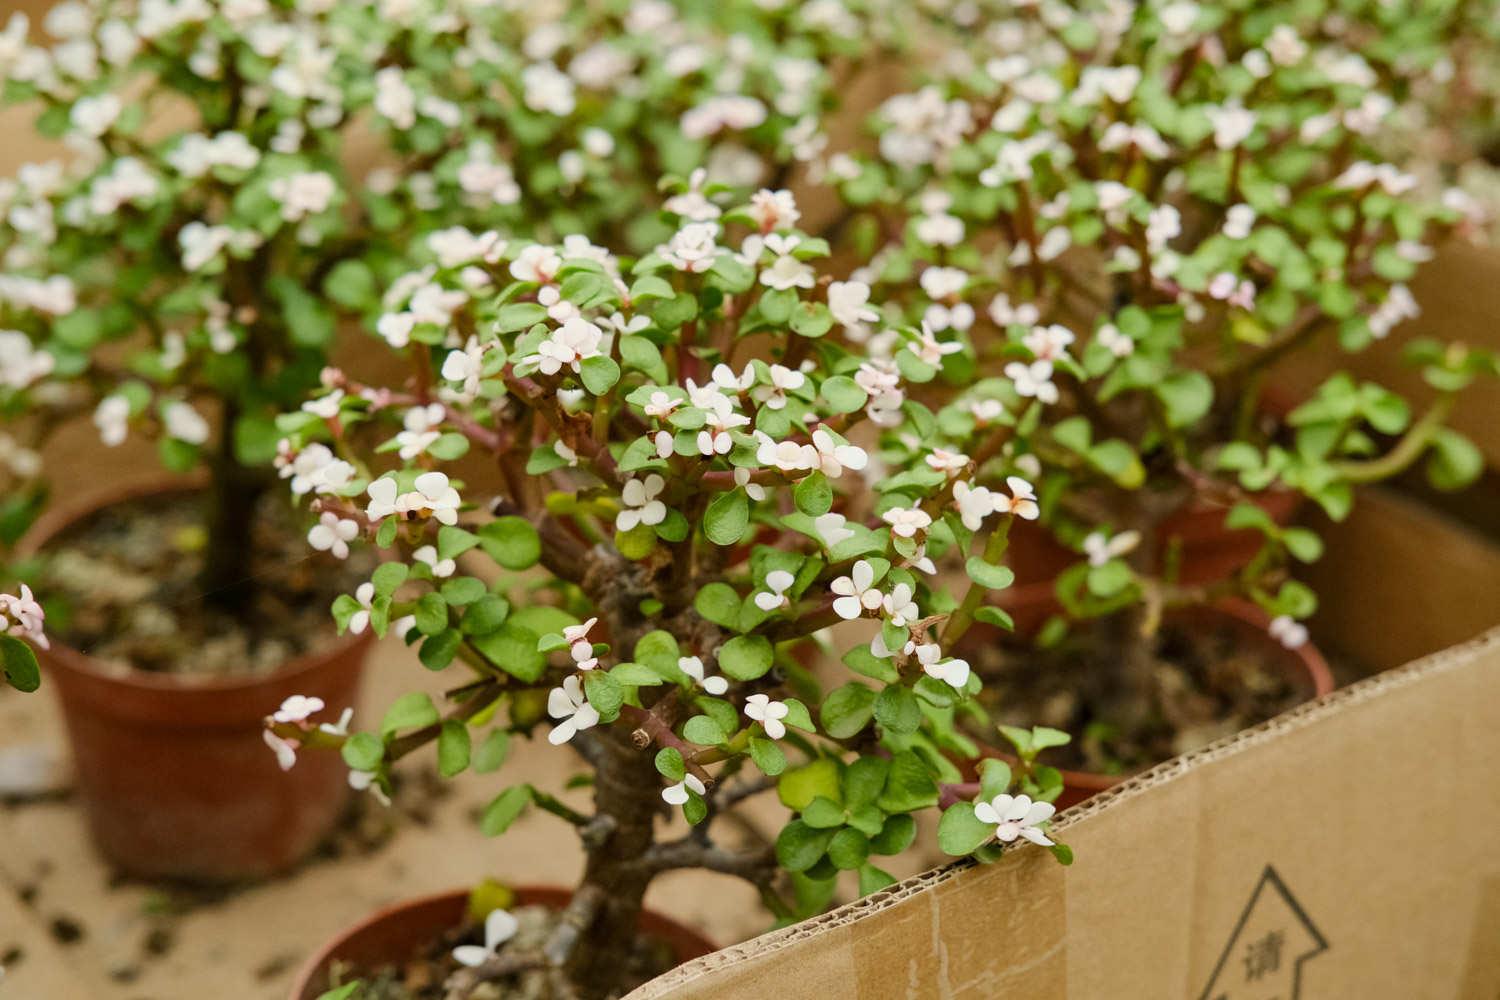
(1263, 958)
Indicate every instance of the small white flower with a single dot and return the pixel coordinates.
(112, 417)
(768, 713)
(362, 781)
(830, 528)
(568, 704)
(833, 458)
(1033, 380)
(954, 672)
(929, 350)
(1101, 548)
(499, 927)
(383, 497)
(326, 407)
(1232, 125)
(303, 194)
(285, 750)
(948, 462)
(1238, 221)
(661, 405)
(1048, 343)
(440, 568)
(184, 423)
(788, 272)
(676, 795)
(788, 456)
(975, 503)
(900, 607)
(332, 534)
(536, 263)
(1022, 501)
(857, 591)
(1016, 816)
(1288, 631)
(641, 505)
(777, 582)
(433, 497)
(907, 522)
(364, 596)
(579, 646)
(693, 667)
(773, 210)
(693, 248)
(753, 490)
(93, 116)
(1117, 343)
(848, 301)
(783, 381)
(298, 708)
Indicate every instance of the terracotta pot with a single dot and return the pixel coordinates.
(1209, 551)
(174, 773)
(400, 932)
(1031, 605)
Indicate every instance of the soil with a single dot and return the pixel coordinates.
(123, 586)
(434, 975)
(1201, 684)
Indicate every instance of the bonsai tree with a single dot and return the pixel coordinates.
(677, 520)
(244, 177)
(1115, 225)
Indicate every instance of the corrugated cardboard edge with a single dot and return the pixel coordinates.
(868, 907)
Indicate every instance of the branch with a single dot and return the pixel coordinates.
(755, 866)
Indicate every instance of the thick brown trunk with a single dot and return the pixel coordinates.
(234, 494)
(622, 784)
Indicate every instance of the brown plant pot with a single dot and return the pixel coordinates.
(400, 932)
(1031, 605)
(174, 772)
(1209, 551)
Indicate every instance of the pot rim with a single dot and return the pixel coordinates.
(526, 895)
(61, 655)
(1307, 656)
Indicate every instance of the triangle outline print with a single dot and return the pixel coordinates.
(1318, 944)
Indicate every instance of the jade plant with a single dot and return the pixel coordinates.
(666, 551)
(1115, 224)
(241, 177)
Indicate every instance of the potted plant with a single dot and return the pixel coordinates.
(184, 274)
(681, 520)
(1116, 226)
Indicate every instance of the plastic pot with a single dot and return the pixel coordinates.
(398, 933)
(173, 771)
(1031, 605)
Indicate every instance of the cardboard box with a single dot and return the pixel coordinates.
(1344, 850)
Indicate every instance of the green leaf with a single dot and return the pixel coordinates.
(453, 749)
(895, 836)
(512, 542)
(670, 314)
(485, 615)
(745, 657)
(960, 832)
(1456, 461)
(453, 542)
(504, 809)
(799, 846)
(767, 756)
(703, 730)
(848, 849)
(439, 650)
(387, 577)
(801, 785)
(19, 662)
(492, 752)
(410, 711)
(988, 575)
(599, 374)
(1186, 395)
(897, 711)
(822, 813)
(519, 316)
(363, 751)
(670, 765)
(350, 284)
(512, 647)
(814, 495)
(843, 394)
(719, 603)
(994, 778)
(726, 518)
(462, 590)
(910, 785)
(432, 614)
(847, 710)
(345, 992)
(604, 693)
